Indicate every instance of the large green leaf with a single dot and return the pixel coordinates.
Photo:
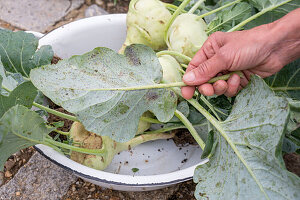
(228, 18)
(23, 94)
(247, 162)
(20, 128)
(112, 113)
(274, 14)
(285, 6)
(19, 54)
(7, 81)
(287, 80)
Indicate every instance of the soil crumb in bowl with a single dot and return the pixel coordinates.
(183, 138)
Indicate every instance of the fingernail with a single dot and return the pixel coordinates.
(189, 77)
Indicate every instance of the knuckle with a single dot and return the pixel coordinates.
(224, 58)
(203, 69)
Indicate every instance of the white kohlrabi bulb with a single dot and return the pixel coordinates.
(146, 23)
(171, 69)
(187, 34)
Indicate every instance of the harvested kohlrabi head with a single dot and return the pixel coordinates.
(88, 140)
(146, 23)
(187, 34)
(85, 139)
(171, 69)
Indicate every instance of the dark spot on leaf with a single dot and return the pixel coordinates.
(123, 108)
(244, 180)
(151, 96)
(132, 57)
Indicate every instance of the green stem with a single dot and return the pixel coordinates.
(175, 14)
(54, 112)
(243, 23)
(8, 90)
(151, 120)
(210, 107)
(191, 128)
(196, 6)
(142, 139)
(181, 71)
(184, 65)
(172, 7)
(174, 53)
(97, 152)
(142, 87)
(218, 9)
(285, 88)
(167, 129)
(171, 128)
(164, 85)
(58, 131)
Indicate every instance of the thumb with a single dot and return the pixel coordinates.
(205, 71)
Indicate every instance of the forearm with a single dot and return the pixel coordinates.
(285, 34)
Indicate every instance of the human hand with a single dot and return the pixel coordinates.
(263, 50)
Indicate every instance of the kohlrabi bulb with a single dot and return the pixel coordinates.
(85, 139)
(171, 69)
(143, 126)
(187, 34)
(146, 24)
(88, 140)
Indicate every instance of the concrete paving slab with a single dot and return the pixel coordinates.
(94, 10)
(39, 179)
(36, 15)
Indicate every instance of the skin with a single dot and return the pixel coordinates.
(263, 50)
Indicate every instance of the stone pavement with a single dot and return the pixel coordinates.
(41, 15)
(39, 178)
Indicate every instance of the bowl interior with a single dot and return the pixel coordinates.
(152, 158)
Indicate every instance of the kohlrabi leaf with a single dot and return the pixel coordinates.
(19, 54)
(284, 6)
(69, 84)
(24, 94)
(20, 128)
(247, 163)
(287, 80)
(274, 14)
(228, 18)
(294, 120)
(183, 107)
(7, 81)
(290, 145)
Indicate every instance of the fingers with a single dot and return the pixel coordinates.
(229, 88)
(220, 87)
(206, 89)
(205, 71)
(233, 85)
(188, 92)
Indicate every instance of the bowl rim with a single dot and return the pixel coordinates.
(102, 176)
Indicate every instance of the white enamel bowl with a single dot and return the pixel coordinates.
(160, 163)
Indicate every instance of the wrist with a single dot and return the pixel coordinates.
(284, 37)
